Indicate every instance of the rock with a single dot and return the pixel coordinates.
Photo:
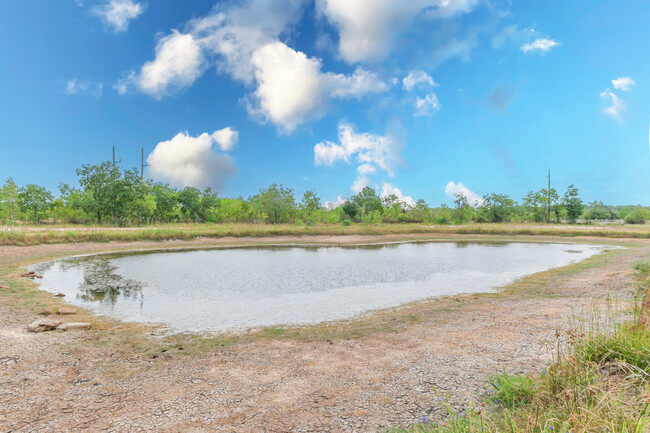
(74, 325)
(46, 311)
(64, 311)
(59, 295)
(4, 287)
(31, 274)
(42, 325)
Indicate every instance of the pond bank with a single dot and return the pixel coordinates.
(352, 376)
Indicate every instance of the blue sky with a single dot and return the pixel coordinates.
(332, 95)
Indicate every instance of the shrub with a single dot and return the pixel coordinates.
(346, 222)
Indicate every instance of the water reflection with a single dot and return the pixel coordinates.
(102, 284)
(244, 287)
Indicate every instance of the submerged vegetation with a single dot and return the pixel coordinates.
(599, 383)
(108, 195)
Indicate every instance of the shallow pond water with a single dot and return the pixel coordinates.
(248, 287)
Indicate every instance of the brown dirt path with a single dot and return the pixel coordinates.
(55, 381)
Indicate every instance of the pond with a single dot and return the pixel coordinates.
(248, 287)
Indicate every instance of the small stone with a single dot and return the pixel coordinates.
(64, 311)
(74, 325)
(42, 325)
(59, 295)
(46, 311)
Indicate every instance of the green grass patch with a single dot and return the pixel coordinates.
(600, 383)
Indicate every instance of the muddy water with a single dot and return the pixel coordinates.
(239, 288)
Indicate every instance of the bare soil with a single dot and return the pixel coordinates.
(91, 381)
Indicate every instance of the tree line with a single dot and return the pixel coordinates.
(109, 195)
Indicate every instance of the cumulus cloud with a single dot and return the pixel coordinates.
(623, 83)
(528, 39)
(179, 62)
(291, 89)
(541, 45)
(76, 86)
(117, 14)
(340, 201)
(226, 138)
(615, 105)
(367, 28)
(418, 79)
(427, 106)
(192, 161)
(453, 189)
(369, 151)
(406, 201)
(288, 87)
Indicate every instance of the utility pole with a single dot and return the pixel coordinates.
(142, 163)
(115, 162)
(548, 203)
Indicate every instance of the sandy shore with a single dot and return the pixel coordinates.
(94, 381)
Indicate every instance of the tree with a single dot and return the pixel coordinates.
(367, 201)
(572, 203)
(166, 199)
(497, 208)
(275, 204)
(463, 211)
(310, 205)
(190, 201)
(9, 194)
(102, 183)
(34, 198)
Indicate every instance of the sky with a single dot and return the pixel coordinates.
(420, 98)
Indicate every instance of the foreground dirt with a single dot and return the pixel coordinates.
(55, 381)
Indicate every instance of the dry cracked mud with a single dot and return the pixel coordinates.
(56, 381)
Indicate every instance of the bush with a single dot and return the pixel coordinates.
(442, 220)
(346, 222)
(634, 217)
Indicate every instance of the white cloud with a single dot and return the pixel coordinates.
(370, 152)
(367, 28)
(292, 90)
(226, 138)
(616, 105)
(179, 62)
(340, 201)
(359, 184)
(288, 87)
(418, 79)
(76, 86)
(191, 161)
(541, 45)
(623, 83)
(427, 106)
(234, 33)
(388, 189)
(452, 189)
(118, 13)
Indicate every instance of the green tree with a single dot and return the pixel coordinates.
(497, 208)
(166, 199)
(34, 198)
(463, 212)
(190, 201)
(367, 201)
(310, 206)
(102, 184)
(275, 204)
(9, 194)
(572, 203)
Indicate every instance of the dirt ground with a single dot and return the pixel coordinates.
(67, 381)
